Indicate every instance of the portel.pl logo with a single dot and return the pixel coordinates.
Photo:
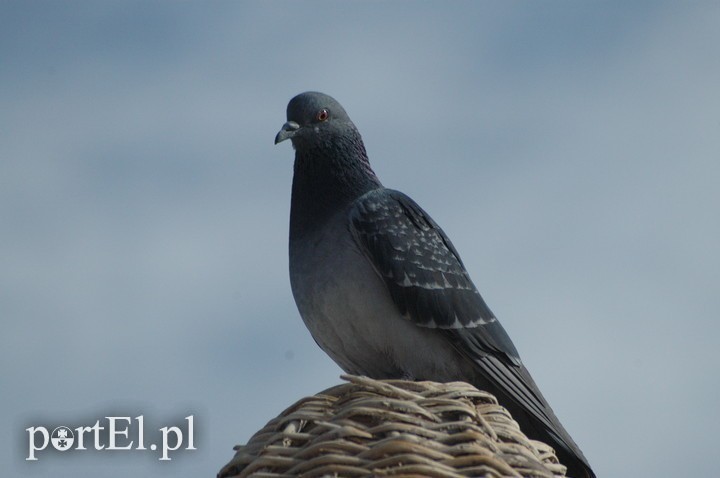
(113, 435)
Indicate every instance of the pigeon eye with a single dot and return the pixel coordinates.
(323, 115)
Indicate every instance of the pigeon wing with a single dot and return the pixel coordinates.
(424, 274)
(431, 287)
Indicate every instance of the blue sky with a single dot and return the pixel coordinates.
(570, 150)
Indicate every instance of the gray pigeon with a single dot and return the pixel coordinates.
(381, 287)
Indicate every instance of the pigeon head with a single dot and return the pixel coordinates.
(314, 119)
(331, 166)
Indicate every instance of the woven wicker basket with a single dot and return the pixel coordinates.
(394, 427)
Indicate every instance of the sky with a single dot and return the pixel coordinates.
(569, 149)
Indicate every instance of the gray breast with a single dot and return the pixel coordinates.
(350, 314)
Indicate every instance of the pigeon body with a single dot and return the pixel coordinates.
(380, 286)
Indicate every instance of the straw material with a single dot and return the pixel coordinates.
(394, 428)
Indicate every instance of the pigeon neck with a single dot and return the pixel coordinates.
(327, 180)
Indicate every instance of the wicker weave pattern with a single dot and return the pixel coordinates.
(394, 427)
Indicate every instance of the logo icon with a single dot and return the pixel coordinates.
(62, 438)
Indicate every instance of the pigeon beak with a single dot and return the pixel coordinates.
(287, 131)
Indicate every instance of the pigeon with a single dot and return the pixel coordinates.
(382, 289)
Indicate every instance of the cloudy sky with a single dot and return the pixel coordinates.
(570, 150)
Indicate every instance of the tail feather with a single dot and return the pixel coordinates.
(516, 390)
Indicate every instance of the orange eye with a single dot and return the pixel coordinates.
(323, 115)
